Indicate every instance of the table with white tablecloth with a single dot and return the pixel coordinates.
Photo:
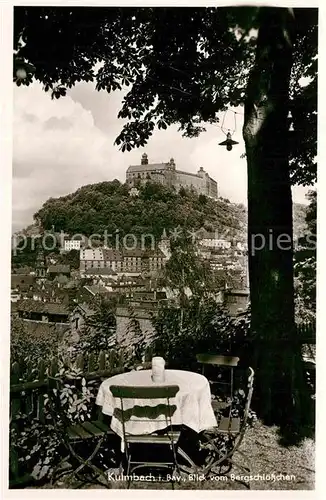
(193, 401)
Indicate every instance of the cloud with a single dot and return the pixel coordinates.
(56, 149)
(226, 167)
(54, 123)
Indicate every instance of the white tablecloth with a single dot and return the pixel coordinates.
(193, 401)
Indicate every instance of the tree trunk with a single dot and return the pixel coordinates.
(276, 353)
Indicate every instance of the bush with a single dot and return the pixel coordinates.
(202, 327)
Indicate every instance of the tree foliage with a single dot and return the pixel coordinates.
(108, 206)
(168, 77)
(25, 347)
(100, 327)
(206, 327)
(305, 265)
(137, 338)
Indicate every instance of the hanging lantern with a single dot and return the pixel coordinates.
(21, 73)
(229, 142)
(22, 68)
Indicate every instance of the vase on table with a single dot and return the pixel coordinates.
(158, 369)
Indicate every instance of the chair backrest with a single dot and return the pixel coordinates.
(223, 362)
(144, 392)
(236, 424)
(163, 411)
(216, 359)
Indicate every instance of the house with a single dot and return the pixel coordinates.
(153, 260)
(57, 270)
(98, 273)
(22, 282)
(52, 333)
(21, 286)
(75, 242)
(126, 261)
(236, 301)
(149, 295)
(211, 240)
(48, 312)
(22, 270)
(99, 258)
(94, 290)
(79, 316)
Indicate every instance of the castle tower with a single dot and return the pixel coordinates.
(201, 172)
(144, 159)
(170, 173)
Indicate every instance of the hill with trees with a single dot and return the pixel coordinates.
(109, 206)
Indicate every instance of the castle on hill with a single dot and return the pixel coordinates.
(168, 175)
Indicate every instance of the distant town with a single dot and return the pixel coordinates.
(55, 295)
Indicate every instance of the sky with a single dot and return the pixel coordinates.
(61, 145)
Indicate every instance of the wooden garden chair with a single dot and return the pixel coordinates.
(222, 441)
(222, 383)
(160, 412)
(93, 432)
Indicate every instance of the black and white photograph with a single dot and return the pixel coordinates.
(163, 247)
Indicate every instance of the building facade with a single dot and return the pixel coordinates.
(168, 175)
(211, 240)
(122, 262)
(71, 244)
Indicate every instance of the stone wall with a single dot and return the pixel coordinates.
(188, 180)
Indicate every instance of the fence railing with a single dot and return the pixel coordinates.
(29, 383)
(307, 332)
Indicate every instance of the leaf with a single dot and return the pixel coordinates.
(44, 471)
(36, 471)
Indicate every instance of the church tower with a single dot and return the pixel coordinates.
(164, 245)
(170, 173)
(40, 265)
